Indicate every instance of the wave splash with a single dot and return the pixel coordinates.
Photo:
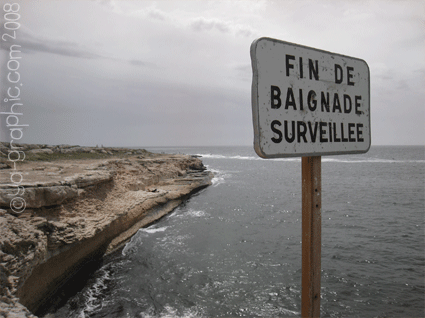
(324, 159)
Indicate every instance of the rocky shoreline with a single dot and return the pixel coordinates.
(80, 203)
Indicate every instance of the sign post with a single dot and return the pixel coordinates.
(311, 236)
(307, 103)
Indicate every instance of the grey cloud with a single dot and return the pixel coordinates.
(110, 4)
(30, 43)
(245, 30)
(137, 63)
(58, 47)
(385, 77)
(246, 68)
(412, 41)
(402, 84)
(202, 24)
(243, 72)
(420, 71)
(156, 14)
(142, 63)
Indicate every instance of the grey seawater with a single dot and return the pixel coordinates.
(234, 249)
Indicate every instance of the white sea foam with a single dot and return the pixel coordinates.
(130, 246)
(151, 230)
(170, 312)
(219, 176)
(238, 157)
(369, 160)
(191, 214)
(324, 159)
(92, 295)
(215, 156)
(137, 240)
(196, 213)
(217, 180)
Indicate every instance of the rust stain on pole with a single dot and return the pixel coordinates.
(311, 236)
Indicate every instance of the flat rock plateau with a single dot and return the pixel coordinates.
(80, 204)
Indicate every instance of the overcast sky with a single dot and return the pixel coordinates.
(178, 73)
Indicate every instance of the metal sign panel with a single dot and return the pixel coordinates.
(308, 102)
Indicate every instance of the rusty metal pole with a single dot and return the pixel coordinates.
(311, 236)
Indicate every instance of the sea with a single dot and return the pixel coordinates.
(234, 248)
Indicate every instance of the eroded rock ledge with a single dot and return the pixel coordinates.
(78, 210)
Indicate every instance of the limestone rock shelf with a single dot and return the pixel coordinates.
(78, 210)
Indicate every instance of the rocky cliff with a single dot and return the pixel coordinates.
(77, 210)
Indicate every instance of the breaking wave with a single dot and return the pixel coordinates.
(325, 159)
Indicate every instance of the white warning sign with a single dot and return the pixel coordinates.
(308, 102)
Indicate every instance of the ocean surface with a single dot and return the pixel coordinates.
(234, 248)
